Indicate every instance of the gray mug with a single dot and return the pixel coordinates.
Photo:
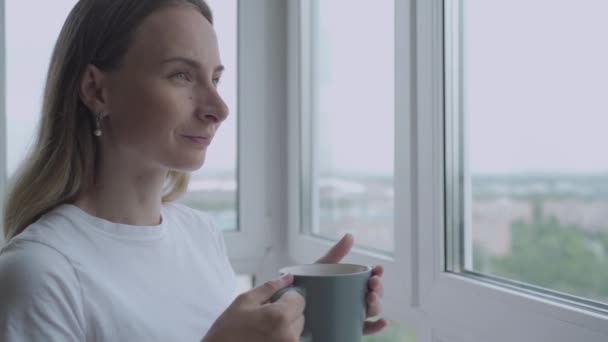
(335, 296)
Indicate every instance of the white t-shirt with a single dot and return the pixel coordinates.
(71, 276)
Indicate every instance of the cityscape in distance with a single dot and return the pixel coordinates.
(549, 230)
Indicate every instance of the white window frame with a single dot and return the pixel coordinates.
(253, 248)
(459, 307)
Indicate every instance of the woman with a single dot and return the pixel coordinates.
(98, 251)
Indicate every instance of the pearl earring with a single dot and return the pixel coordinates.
(97, 131)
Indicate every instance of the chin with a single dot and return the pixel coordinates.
(188, 164)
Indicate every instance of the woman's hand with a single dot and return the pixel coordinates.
(375, 288)
(251, 317)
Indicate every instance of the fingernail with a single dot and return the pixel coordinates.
(286, 278)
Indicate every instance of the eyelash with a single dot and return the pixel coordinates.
(216, 81)
(186, 76)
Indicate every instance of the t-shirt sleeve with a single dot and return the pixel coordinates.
(40, 295)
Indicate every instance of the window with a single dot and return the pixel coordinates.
(488, 107)
(28, 52)
(351, 122)
(532, 140)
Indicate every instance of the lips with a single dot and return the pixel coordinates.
(198, 139)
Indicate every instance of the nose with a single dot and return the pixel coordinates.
(212, 107)
(211, 115)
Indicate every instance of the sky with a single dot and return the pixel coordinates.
(535, 88)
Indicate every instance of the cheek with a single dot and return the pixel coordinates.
(150, 113)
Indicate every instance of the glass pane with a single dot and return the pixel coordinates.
(536, 129)
(28, 52)
(353, 107)
(213, 188)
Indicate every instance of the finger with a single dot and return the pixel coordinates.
(291, 305)
(338, 251)
(373, 327)
(375, 285)
(264, 292)
(284, 314)
(378, 270)
(298, 326)
(292, 301)
(374, 306)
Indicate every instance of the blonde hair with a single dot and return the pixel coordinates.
(63, 161)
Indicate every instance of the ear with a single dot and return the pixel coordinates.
(92, 89)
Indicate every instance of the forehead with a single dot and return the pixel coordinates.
(176, 31)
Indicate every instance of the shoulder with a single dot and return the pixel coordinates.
(26, 263)
(48, 252)
(33, 273)
(57, 228)
(40, 294)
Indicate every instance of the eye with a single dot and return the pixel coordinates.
(181, 76)
(216, 81)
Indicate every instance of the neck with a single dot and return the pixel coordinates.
(125, 195)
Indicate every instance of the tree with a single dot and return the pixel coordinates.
(556, 256)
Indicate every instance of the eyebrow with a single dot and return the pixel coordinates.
(190, 62)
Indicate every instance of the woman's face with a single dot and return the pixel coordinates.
(163, 104)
